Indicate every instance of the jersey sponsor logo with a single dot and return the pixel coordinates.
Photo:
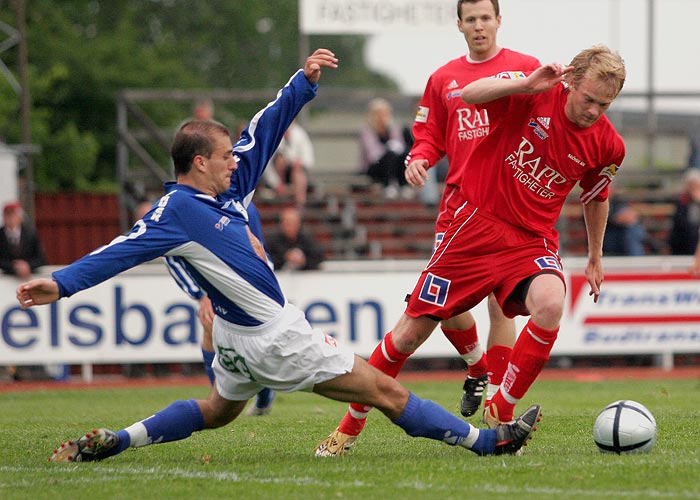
(531, 172)
(453, 94)
(223, 222)
(576, 160)
(610, 171)
(422, 114)
(435, 290)
(544, 120)
(549, 262)
(537, 128)
(510, 75)
(472, 123)
(453, 85)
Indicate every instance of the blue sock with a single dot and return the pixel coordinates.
(485, 443)
(124, 442)
(264, 398)
(208, 358)
(177, 421)
(423, 418)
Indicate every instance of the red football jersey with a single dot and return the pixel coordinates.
(534, 156)
(446, 125)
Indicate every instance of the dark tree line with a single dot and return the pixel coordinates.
(81, 53)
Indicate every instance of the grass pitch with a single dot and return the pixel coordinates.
(272, 457)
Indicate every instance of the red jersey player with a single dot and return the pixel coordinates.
(552, 134)
(446, 125)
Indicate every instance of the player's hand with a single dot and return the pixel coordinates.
(320, 58)
(37, 292)
(546, 77)
(594, 275)
(417, 172)
(206, 313)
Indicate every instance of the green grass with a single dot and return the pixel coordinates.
(272, 457)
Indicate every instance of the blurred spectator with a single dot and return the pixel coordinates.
(290, 165)
(683, 238)
(21, 254)
(624, 233)
(383, 150)
(20, 249)
(290, 247)
(203, 109)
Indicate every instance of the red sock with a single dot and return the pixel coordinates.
(530, 354)
(467, 344)
(387, 360)
(499, 356)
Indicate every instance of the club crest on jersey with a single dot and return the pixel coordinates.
(549, 262)
(511, 75)
(539, 131)
(422, 114)
(223, 222)
(434, 290)
(610, 171)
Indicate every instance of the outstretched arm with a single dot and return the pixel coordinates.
(489, 89)
(320, 58)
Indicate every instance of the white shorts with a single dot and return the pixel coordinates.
(285, 354)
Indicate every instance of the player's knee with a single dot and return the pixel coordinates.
(548, 310)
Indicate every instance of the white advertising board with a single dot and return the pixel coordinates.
(143, 316)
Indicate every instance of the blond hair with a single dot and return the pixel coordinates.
(601, 64)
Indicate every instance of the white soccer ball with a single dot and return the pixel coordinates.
(625, 427)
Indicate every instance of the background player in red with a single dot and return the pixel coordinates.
(446, 125)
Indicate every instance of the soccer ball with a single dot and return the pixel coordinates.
(625, 427)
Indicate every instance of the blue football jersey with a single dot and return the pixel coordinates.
(208, 235)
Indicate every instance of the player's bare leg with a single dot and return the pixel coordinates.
(545, 301)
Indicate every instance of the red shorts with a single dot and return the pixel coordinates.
(450, 202)
(479, 255)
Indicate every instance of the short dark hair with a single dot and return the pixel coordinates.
(496, 7)
(194, 138)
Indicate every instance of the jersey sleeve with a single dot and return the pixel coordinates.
(595, 184)
(429, 125)
(145, 242)
(260, 139)
(182, 277)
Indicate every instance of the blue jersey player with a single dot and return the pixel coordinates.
(178, 271)
(260, 339)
